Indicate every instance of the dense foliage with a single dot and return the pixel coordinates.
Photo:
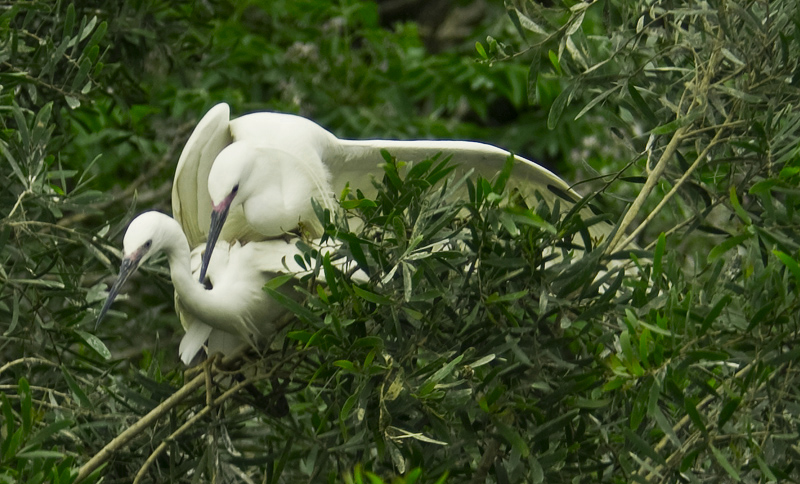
(471, 339)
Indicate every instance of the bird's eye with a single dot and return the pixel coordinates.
(235, 188)
(148, 244)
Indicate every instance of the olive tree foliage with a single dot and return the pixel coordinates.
(49, 66)
(474, 336)
(705, 96)
(98, 95)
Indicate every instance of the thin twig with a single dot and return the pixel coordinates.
(122, 439)
(685, 420)
(212, 404)
(672, 191)
(28, 359)
(651, 182)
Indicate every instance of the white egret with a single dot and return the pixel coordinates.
(235, 309)
(264, 168)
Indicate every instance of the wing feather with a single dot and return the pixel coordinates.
(191, 203)
(196, 335)
(358, 160)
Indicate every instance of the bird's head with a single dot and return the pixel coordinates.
(146, 235)
(229, 172)
(227, 187)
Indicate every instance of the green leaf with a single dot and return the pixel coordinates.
(95, 343)
(88, 28)
(439, 375)
(498, 298)
(595, 101)
(69, 22)
(761, 315)
(8, 415)
(359, 203)
(481, 50)
(554, 61)
(98, 35)
(330, 277)
(576, 21)
(289, 303)
(714, 313)
(301, 336)
(77, 391)
(42, 435)
(639, 409)
(640, 446)
(354, 244)
(513, 437)
(83, 71)
(672, 125)
(280, 464)
(371, 296)
(762, 465)
(641, 105)
(533, 76)
(790, 264)
(737, 207)
(558, 106)
(666, 426)
(694, 415)
(41, 454)
(345, 365)
(537, 473)
(748, 98)
(348, 407)
(724, 463)
(627, 350)
(727, 245)
(658, 256)
(728, 410)
(512, 14)
(502, 178)
(588, 403)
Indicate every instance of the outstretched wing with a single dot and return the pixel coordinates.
(191, 203)
(357, 160)
(363, 156)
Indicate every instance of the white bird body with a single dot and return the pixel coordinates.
(235, 309)
(279, 162)
(357, 161)
(250, 180)
(276, 193)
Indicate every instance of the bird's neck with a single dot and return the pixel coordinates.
(179, 256)
(193, 295)
(210, 306)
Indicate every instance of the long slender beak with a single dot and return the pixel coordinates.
(129, 265)
(218, 216)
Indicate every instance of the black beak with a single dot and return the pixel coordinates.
(129, 265)
(218, 216)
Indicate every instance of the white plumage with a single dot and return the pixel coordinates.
(242, 184)
(235, 309)
(266, 167)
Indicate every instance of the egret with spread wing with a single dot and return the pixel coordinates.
(264, 168)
